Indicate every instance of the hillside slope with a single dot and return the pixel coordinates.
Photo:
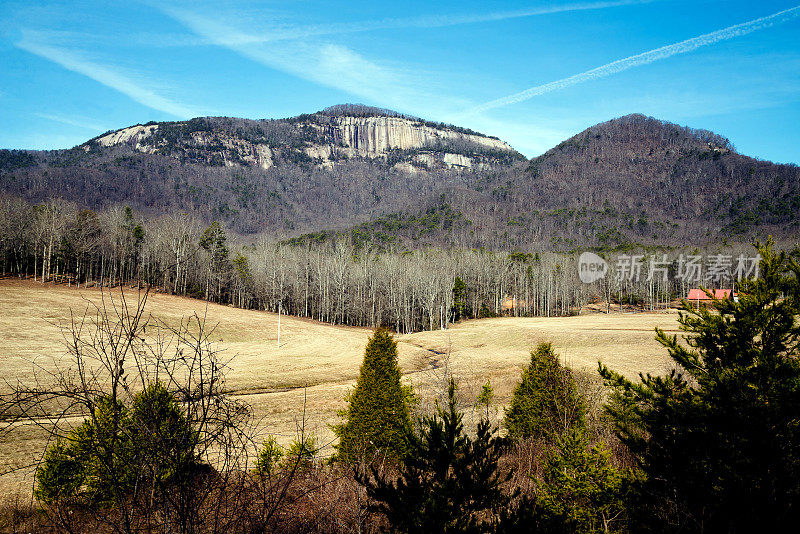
(634, 180)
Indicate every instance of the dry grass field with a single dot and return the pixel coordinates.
(317, 363)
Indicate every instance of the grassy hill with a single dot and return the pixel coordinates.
(317, 363)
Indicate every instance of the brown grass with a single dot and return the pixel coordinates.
(316, 363)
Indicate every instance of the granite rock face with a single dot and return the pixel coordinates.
(374, 136)
(323, 140)
(133, 135)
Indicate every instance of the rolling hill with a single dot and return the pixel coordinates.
(316, 363)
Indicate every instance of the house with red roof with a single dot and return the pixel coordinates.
(698, 295)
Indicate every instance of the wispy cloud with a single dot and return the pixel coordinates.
(78, 122)
(108, 76)
(293, 50)
(291, 32)
(270, 32)
(328, 64)
(645, 58)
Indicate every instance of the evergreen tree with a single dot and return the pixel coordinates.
(301, 453)
(718, 440)
(214, 241)
(118, 450)
(377, 417)
(459, 299)
(485, 397)
(269, 456)
(546, 402)
(580, 491)
(160, 436)
(448, 482)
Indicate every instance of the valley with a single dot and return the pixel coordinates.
(317, 363)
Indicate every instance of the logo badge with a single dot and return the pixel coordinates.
(591, 267)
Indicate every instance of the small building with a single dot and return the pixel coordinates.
(512, 303)
(698, 295)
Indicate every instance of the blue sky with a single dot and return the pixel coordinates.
(531, 73)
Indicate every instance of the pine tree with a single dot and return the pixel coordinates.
(485, 397)
(546, 402)
(269, 456)
(579, 491)
(119, 449)
(718, 440)
(214, 242)
(459, 299)
(448, 482)
(377, 418)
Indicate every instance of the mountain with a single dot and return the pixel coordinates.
(335, 134)
(636, 179)
(333, 168)
(398, 180)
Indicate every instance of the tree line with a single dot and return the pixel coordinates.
(333, 282)
(340, 280)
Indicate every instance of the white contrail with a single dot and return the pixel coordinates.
(644, 58)
(437, 21)
(452, 20)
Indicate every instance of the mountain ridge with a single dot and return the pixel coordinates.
(335, 133)
(355, 168)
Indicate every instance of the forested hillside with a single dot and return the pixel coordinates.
(632, 181)
(279, 176)
(402, 182)
(638, 179)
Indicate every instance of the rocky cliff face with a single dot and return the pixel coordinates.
(374, 136)
(133, 135)
(209, 147)
(323, 139)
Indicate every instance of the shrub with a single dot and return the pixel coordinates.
(160, 435)
(301, 453)
(118, 449)
(60, 474)
(91, 461)
(269, 456)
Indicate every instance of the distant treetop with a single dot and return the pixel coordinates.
(706, 136)
(362, 110)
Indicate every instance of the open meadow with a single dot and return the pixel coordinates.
(316, 363)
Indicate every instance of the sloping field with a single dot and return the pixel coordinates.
(316, 363)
